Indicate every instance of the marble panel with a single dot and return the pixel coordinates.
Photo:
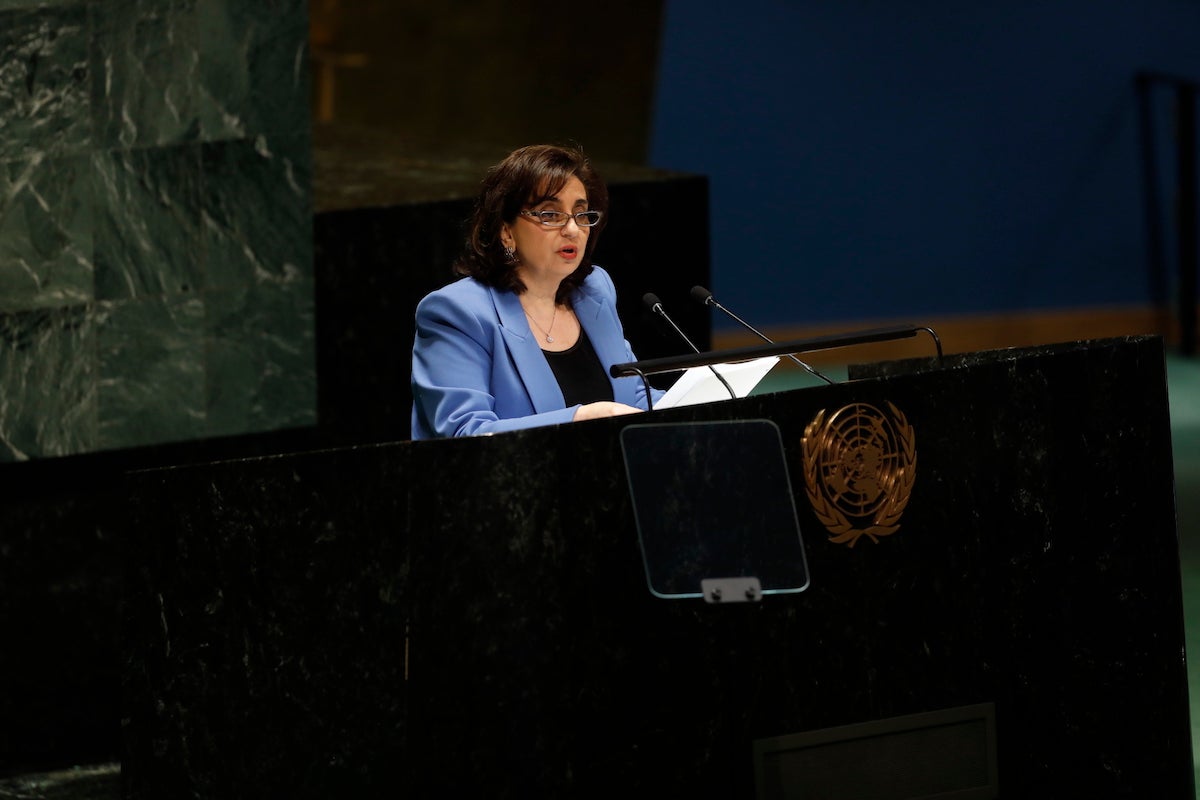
(60, 569)
(106, 209)
(99, 782)
(253, 71)
(257, 211)
(46, 218)
(44, 81)
(30, 5)
(313, 615)
(148, 234)
(145, 56)
(64, 552)
(261, 349)
(47, 368)
(151, 355)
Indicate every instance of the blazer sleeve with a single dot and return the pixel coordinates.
(452, 375)
(631, 390)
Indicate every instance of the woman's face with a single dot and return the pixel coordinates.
(547, 254)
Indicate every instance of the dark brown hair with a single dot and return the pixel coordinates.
(525, 178)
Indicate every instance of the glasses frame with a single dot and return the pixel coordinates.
(592, 217)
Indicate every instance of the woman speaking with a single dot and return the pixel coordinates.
(526, 336)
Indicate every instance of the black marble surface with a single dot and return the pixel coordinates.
(1036, 568)
(64, 533)
(92, 782)
(60, 569)
(265, 650)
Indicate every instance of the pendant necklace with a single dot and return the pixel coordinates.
(545, 331)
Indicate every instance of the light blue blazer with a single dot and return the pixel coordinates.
(477, 368)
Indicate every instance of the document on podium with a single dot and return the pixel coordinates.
(700, 385)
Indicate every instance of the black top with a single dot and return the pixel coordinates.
(579, 373)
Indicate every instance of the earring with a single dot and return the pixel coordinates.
(510, 255)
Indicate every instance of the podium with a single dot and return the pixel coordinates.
(472, 616)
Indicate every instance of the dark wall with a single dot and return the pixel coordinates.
(455, 77)
(880, 160)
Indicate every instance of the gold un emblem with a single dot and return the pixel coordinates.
(859, 467)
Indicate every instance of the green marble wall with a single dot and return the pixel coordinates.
(156, 279)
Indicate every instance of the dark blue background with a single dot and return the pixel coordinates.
(882, 160)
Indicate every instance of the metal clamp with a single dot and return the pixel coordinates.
(731, 590)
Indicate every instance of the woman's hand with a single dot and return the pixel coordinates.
(604, 408)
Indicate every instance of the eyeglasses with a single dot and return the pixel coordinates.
(558, 219)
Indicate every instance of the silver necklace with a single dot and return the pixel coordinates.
(545, 331)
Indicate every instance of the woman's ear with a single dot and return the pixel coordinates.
(506, 238)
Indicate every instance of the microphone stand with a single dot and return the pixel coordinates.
(655, 305)
(704, 296)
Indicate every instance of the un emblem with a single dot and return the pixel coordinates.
(859, 467)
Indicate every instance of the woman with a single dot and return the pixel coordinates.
(527, 336)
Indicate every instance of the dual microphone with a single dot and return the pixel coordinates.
(705, 297)
(655, 305)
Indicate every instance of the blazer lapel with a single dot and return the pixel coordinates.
(527, 356)
(606, 341)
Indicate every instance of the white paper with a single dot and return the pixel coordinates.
(699, 385)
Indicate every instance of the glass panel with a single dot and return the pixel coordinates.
(713, 500)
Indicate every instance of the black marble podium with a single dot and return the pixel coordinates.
(471, 617)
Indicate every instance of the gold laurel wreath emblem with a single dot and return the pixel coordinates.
(896, 474)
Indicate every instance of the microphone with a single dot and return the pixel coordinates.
(705, 297)
(655, 305)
